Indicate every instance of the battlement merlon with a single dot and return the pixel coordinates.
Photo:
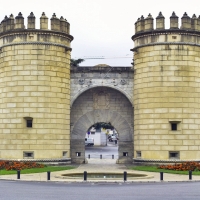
(146, 34)
(11, 24)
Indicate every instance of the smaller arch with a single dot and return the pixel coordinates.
(105, 85)
(87, 120)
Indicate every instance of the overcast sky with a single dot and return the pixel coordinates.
(101, 28)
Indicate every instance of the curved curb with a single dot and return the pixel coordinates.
(165, 43)
(144, 176)
(37, 43)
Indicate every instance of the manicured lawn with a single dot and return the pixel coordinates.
(155, 169)
(37, 170)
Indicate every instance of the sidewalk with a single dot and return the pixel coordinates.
(101, 165)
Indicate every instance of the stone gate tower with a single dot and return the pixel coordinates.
(34, 88)
(167, 89)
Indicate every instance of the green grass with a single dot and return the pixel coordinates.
(155, 169)
(37, 170)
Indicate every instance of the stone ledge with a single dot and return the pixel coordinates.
(165, 43)
(165, 32)
(37, 43)
(37, 31)
(58, 160)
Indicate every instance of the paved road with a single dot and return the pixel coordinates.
(106, 151)
(11, 190)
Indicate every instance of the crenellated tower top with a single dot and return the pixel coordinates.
(147, 35)
(147, 24)
(14, 32)
(12, 23)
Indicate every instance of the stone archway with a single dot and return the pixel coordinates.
(102, 104)
(92, 117)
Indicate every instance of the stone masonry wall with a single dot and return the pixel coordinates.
(34, 84)
(119, 78)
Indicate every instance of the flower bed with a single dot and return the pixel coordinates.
(16, 165)
(186, 166)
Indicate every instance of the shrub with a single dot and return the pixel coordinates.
(17, 165)
(186, 166)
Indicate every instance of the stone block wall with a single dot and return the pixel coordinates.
(166, 90)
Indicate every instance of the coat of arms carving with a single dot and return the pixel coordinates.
(101, 100)
(81, 81)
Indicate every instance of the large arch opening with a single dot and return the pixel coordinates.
(107, 105)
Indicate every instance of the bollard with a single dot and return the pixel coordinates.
(161, 176)
(48, 175)
(18, 174)
(125, 176)
(112, 156)
(88, 156)
(85, 176)
(190, 175)
(100, 156)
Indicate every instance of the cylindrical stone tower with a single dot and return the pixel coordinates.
(167, 93)
(34, 90)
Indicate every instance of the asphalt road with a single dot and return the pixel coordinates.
(17, 190)
(106, 151)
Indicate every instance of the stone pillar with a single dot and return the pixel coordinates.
(31, 21)
(62, 25)
(194, 23)
(1, 27)
(67, 24)
(44, 22)
(148, 23)
(136, 25)
(10, 23)
(140, 24)
(174, 21)
(198, 23)
(19, 21)
(125, 152)
(4, 23)
(186, 22)
(55, 23)
(77, 151)
(160, 21)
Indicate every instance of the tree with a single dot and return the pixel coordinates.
(76, 62)
(102, 125)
